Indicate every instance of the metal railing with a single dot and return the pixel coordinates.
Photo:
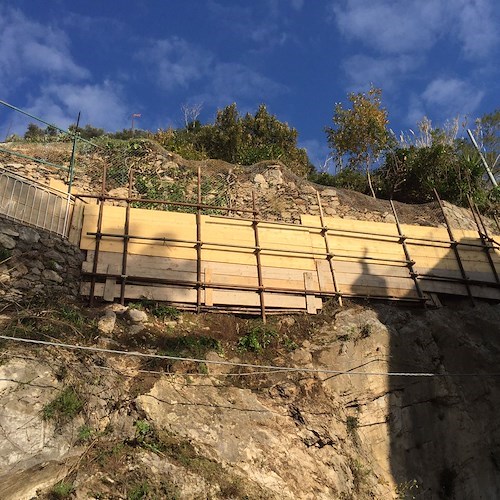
(28, 202)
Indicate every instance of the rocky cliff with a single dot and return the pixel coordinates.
(411, 412)
(365, 401)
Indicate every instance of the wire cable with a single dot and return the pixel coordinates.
(237, 364)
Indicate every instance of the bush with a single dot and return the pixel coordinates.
(347, 179)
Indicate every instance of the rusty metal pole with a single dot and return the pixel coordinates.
(483, 235)
(410, 262)
(98, 236)
(126, 239)
(329, 256)
(454, 246)
(257, 257)
(198, 245)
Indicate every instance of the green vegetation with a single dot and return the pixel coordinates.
(84, 433)
(352, 424)
(5, 254)
(410, 167)
(360, 132)
(66, 406)
(368, 156)
(257, 339)
(407, 490)
(62, 489)
(239, 139)
(157, 309)
(139, 491)
(189, 345)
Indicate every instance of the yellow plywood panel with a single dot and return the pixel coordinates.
(371, 269)
(366, 291)
(425, 232)
(350, 225)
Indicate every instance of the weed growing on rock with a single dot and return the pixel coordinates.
(66, 406)
(84, 433)
(62, 489)
(406, 490)
(352, 423)
(257, 339)
(139, 491)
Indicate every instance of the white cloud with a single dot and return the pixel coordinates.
(266, 28)
(30, 49)
(232, 81)
(444, 98)
(452, 96)
(176, 62)
(383, 72)
(478, 22)
(389, 26)
(100, 105)
(297, 4)
(410, 26)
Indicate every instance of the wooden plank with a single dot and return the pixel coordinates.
(366, 291)
(309, 285)
(459, 289)
(369, 268)
(108, 294)
(367, 280)
(209, 295)
(325, 278)
(75, 229)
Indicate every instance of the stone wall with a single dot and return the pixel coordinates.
(36, 264)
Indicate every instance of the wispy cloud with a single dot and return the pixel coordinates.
(265, 28)
(381, 71)
(232, 81)
(174, 62)
(452, 95)
(391, 27)
(100, 105)
(413, 26)
(444, 98)
(32, 49)
(478, 23)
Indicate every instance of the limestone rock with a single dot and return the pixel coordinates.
(261, 182)
(137, 316)
(107, 323)
(51, 275)
(29, 235)
(7, 242)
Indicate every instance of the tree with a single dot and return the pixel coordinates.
(360, 132)
(34, 133)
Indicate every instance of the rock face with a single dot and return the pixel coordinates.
(36, 263)
(390, 402)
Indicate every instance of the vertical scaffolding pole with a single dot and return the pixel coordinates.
(98, 236)
(257, 257)
(454, 246)
(198, 245)
(402, 240)
(126, 239)
(329, 256)
(483, 235)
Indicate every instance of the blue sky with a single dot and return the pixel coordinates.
(110, 59)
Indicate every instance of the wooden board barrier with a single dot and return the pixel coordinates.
(367, 259)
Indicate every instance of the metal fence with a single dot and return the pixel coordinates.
(28, 202)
